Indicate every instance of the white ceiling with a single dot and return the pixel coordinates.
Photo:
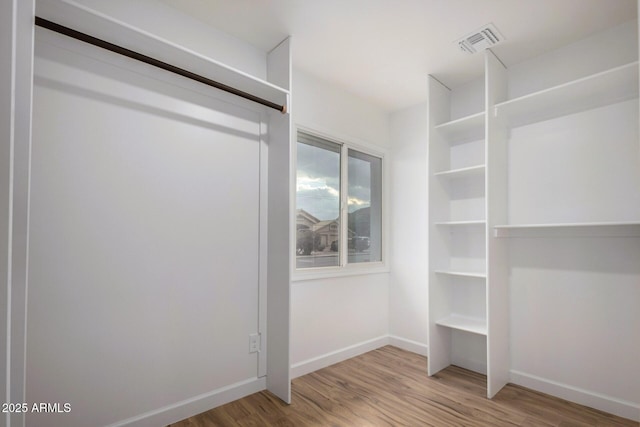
(382, 50)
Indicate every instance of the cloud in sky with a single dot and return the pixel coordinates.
(355, 203)
(318, 182)
(306, 184)
(359, 184)
(316, 197)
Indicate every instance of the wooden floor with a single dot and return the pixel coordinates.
(389, 387)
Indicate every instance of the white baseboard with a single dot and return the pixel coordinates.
(215, 398)
(310, 365)
(599, 401)
(409, 345)
(204, 402)
(187, 408)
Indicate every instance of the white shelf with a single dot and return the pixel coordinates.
(612, 228)
(466, 128)
(95, 23)
(462, 172)
(455, 223)
(605, 88)
(571, 224)
(462, 273)
(462, 323)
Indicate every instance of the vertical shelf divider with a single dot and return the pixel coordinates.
(498, 360)
(439, 339)
(275, 323)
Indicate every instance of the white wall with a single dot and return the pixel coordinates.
(323, 107)
(575, 319)
(335, 318)
(130, 248)
(409, 243)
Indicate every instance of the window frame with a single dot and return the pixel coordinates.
(345, 268)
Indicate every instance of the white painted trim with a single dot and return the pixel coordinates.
(310, 365)
(204, 402)
(333, 272)
(279, 212)
(187, 408)
(263, 244)
(343, 238)
(353, 142)
(16, 81)
(408, 345)
(599, 401)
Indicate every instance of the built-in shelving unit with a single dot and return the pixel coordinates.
(510, 171)
(531, 197)
(458, 285)
(587, 189)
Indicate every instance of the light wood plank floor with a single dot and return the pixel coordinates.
(389, 387)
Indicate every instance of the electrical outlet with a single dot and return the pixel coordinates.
(254, 343)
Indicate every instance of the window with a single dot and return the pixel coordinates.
(338, 204)
(365, 207)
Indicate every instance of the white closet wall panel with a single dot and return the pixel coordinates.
(571, 159)
(577, 319)
(144, 238)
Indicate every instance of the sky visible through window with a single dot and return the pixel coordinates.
(359, 184)
(318, 182)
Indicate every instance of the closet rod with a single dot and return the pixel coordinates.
(41, 22)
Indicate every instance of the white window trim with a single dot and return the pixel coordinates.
(345, 269)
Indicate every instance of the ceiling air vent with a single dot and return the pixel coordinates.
(481, 39)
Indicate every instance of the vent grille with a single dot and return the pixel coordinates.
(481, 39)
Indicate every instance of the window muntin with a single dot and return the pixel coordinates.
(320, 236)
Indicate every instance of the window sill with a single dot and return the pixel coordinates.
(333, 272)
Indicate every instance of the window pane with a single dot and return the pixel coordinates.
(365, 207)
(317, 203)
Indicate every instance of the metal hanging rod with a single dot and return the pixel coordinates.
(41, 22)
